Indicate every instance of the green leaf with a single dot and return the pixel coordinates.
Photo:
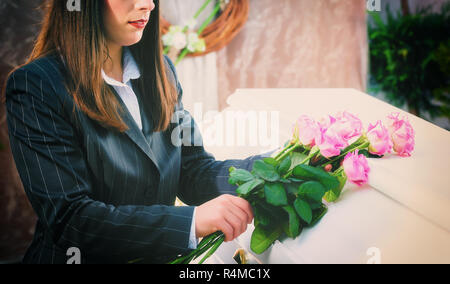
(334, 194)
(318, 215)
(369, 155)
(296, 159)
(303, 210)
(266, 214)
(270, 161)
(294, 222)
(285, 165)
(313, 190)
(315, 205)
(240, 176)
(292, 189)
(316, 174)
(286, 231)
(265, 171)
(275, 194)
(262, 216)
(263, 238)
(296, 180)
(285, 181)
(248, 187)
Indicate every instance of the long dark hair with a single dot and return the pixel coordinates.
(79, 37)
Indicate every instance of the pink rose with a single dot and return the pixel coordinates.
(306, 130)
(347, 126)
(356, 168)
(326, 122)
(329, 143)
(379, 138)
(402, 135)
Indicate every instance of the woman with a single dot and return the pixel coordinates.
(103, 145)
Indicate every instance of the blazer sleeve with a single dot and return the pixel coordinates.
(57, 181)
(202, 176)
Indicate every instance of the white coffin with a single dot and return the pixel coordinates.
(402, 216)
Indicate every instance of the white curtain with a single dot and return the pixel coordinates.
(297, 44)
(198, 75)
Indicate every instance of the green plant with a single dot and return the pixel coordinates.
(406, 56)
(442, 94)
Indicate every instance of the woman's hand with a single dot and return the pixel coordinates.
(226, 213)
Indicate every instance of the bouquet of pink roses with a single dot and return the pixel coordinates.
(288, 192)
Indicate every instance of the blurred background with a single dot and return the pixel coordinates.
(396, 50)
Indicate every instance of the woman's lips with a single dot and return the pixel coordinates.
(139, 24)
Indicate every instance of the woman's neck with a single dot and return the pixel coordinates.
(113, 65)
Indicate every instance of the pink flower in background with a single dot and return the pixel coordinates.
(356, 168)
(379, 138)
(306, 130)
(402, 135)
(329, 143)
(347, 126)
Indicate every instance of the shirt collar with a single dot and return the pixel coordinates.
(130, 70)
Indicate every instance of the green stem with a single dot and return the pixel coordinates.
(186, 27)
(310, 156)
(360, 147)
(209, 19)
(202, 8)
(200, 30)
(208, 238)
(338, 171)
(203, 246)
(284, 150)
(181, 56)
(200, 251)
(166, 49)
(287, 151)
(135, 261)
(209, 246)
(213, 249)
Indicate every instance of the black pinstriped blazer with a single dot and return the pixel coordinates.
(107, 193)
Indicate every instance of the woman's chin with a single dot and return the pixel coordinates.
(134, 39)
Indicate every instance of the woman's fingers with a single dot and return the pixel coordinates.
(244, 206)
(227, 213)
(241, 215)
(235, 222)
(228, 231)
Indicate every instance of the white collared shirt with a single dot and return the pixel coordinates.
(128, 96)
(124, 89)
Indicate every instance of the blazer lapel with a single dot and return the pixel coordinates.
(135, 134)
